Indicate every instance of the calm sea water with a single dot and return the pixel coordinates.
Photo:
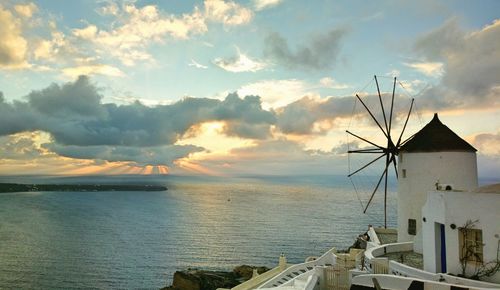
(63, 240)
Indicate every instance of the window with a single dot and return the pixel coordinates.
(412, 227)
(470, 242)
(404, 173)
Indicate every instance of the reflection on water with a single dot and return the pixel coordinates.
(139, 239)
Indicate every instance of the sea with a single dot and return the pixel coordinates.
(137, 240)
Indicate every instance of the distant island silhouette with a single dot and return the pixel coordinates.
(17, 187)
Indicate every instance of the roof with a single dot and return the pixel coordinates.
(436, 137)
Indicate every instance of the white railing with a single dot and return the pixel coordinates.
(384, 249)
(468, 282)
(311, 282)
(327, 258)
(398, 282)
(256, 281)
(305, 281)
(399, 269)
(407, 271)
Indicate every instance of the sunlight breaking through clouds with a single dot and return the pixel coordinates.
(164, 89)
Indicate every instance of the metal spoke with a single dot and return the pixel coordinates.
(394, 162)
(381, 104)
(374, 150)
(373, 117)
(392, 106)
(387, 162)
(366, 165)
(375, 190)
(364, 140)
(406, 122)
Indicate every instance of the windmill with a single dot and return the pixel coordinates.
(383, 152)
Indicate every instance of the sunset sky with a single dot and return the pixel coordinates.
(235, 87)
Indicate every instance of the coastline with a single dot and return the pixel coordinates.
(20, 187)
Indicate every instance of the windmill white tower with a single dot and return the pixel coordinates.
(435, 158)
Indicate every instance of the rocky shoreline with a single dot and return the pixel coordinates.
(194, 279)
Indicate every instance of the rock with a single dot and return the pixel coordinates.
(211, 280)
(246, 271)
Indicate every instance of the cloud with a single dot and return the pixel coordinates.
(487, 143)
(320, 53)
(77, 121)
(13, 47)
(265, 4)
(318, 116)
(143, 156)
(441, 41)
(431, 69)
(72, 100)
(301, 116)
(275, 157)
(20, 146)
(227, 12)
(248, 131)
(197, 65)
(95, 69)
(58, 50)
(139, 27)
(276, 93)
(240, 63)
(279, 93)
(135, 28)
(331, 83)
(26, 10)
(471, 62)
(87, 33)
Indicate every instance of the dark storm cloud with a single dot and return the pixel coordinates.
(81, 126)
(319, 53)
(72, 100)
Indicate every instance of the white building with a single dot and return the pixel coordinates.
(463, 232)
(434, 156)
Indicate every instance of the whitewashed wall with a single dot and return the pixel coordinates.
(423, 171)
(449, 207)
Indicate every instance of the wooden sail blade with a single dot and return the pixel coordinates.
(373, 117)
(392, 106)
(406, 122)
(376, 188)
(366, 165)
(381, 105)
(369, 142)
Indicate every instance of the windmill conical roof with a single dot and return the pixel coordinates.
(436, 137)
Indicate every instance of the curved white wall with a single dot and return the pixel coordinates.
(423, 170)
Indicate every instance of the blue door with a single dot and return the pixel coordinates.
(443, 248)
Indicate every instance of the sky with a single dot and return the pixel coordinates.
(224, 88)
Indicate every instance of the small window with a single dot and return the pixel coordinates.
(404, 173)
(412, 227)
(470, 244)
